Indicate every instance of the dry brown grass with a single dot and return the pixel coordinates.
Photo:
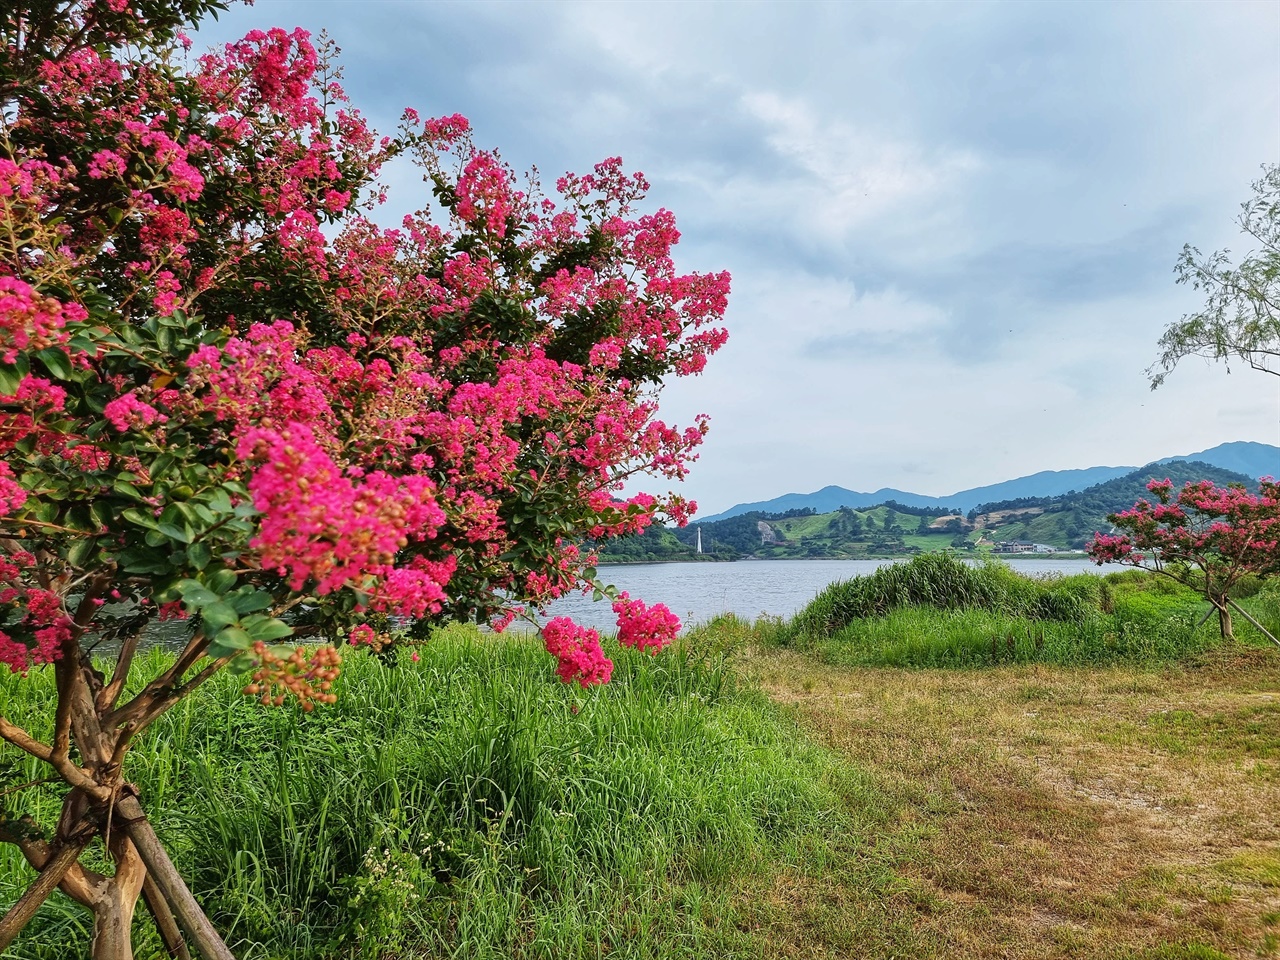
(1044, 812)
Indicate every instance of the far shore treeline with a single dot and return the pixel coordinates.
(1065, 522)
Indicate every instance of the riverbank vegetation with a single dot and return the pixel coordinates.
(468, 805)
(938, 611)
(814, 788)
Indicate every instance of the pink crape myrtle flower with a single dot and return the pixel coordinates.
(128, 412)
(643, 627)
(578, 651)
(12, 495)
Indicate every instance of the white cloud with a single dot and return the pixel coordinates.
(856, 176)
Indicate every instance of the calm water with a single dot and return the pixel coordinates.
(696, 592)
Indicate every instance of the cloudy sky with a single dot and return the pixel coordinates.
(951, 226)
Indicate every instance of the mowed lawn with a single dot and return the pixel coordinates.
(1043, 811)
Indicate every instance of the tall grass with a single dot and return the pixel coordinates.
(469, 806)
(938, 611)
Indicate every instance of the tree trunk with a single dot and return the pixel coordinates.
(1224, 619)
(116, 900)
(113, 924)
(169, 882)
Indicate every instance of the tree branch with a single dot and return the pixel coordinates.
(72, 774)
(1240, 610)
(167, 926)
(106, 699)
(55, 868)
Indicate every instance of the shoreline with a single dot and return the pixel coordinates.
(1004, 558)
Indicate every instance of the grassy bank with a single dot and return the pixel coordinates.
(846, 784)
(471, 806)
(938, 611)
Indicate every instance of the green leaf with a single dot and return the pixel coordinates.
(175, 532)
(196, 593)
(139, 518)
(228, 641)
(102, 513)
(219, 501)
(219, 614)
(202, 513)
(266, 628)
(199, 554)
(250, 600)
(142, 561)
(56, 362)
(242, 664)
(162, 465)
(221, 580)
(10, 377)
(80, 551)
(126, 489)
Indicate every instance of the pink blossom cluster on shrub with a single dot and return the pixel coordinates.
(416, 421)
(644, 627)
(577, 651)
(1203, 520)
(1206, 537)
(43, 615)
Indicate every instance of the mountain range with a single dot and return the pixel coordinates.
(1245, 457)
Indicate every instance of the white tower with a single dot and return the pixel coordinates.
(699, 539)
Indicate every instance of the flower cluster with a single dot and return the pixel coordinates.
(30, 321)
(38, 626)
(643, 627)
(578, 652)
(306, 674)
(319, 524)
(127, 412)
(12, 495)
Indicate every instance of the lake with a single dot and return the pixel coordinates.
(696, 592)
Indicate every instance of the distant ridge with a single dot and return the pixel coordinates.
(1241, 456)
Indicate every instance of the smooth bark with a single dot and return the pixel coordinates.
(51, 875)
(169, 882)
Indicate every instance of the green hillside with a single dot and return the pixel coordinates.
(1069, 521)
(891, 529)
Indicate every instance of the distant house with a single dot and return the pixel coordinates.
(1023, 546)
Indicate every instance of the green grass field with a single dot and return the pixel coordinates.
(907, 782)
(472, 806)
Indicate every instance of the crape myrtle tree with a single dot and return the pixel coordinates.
(1241, 316)
(229, 399)
(1206, 537)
